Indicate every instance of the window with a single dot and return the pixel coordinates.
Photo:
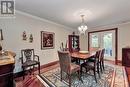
(95, 41)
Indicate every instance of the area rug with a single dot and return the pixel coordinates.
(112, 76)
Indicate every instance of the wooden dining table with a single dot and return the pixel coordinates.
(81, 56)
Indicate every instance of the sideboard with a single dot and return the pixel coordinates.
(126, 57)
(6, 70)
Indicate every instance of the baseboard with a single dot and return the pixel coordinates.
(119, 61)
(109, 60)
(19, 74)
(49, 64)
(116, 62)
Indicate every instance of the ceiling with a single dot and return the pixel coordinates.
(67, 12)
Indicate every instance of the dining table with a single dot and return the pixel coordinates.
(81, 56)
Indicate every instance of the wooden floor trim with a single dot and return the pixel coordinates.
(118, 61)
(49, 64)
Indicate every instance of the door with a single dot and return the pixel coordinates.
(105, 39)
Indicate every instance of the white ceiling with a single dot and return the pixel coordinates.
(99, 12)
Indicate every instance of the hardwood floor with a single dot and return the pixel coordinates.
(31, 80)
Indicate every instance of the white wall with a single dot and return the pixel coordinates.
(123, 36)
(83, 42)
(14, 27)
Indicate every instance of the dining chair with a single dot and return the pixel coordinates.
(66, 66)
(93, 50)
(101, 60)
(29, 59)
(92, 65)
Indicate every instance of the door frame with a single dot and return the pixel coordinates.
(116, 40)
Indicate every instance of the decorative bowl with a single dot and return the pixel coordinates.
(83, 51)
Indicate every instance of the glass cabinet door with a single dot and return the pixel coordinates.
(73, 43)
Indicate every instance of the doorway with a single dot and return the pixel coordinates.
(104, 39)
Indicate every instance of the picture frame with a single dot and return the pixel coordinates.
(47, 40)
(1, 35)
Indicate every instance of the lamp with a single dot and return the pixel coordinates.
(83, 27)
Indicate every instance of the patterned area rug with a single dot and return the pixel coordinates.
(112, 76)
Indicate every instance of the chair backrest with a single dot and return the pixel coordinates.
(65, 61)
(102, 54)
(97, 57)
(27, 55)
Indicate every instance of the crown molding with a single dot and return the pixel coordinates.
(42, 19)
(112, 25)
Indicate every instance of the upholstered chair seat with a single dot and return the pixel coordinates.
(29, 63)
(74, 68)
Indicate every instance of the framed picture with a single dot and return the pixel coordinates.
(47, 40)
(1, 34)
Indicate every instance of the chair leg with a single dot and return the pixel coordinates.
(79, 62)
(81, 70)
(61, 74)
(79, 75)
(103, 64)
(33, 69)
(30, 71)
(98, 70)
(69, 80)
(76, 61)
(86, 69)
(95, 75)
(23, 73)
(39, 68)
(100, 66)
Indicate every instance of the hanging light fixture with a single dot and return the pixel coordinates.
(83, 27)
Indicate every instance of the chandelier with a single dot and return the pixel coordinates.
(83, 27)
